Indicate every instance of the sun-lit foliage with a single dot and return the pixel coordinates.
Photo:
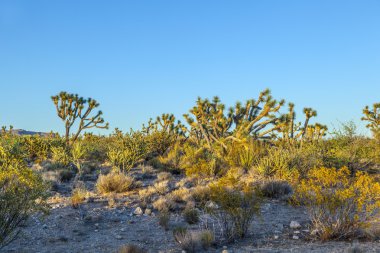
(340, 206)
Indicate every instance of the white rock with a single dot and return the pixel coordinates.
(276, 237)
(148, 211)
(138, 211)
(212, 205)
(297, 232)
(295, 224)
(314, 232)
(295, 237)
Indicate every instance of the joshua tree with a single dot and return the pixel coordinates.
(292, 130)
(71, 107)
(165, 123)
(256, 119)
(373, 118)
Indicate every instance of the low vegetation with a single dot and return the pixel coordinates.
(214, 172)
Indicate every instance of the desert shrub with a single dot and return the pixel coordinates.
(163, 204)
(162, 187)
(164, 219)
(66, 174)
(181, 195)
(349, 149)
(78, 197)
(22, 192)
(164, 176)
(37, 148)
(340, 206)
(130, 248)
(193, 241)
(147, 194)
(233, 179)
(191, 216)
(127, 150)
(159, 142)
(60, 155)
(244, 154)
(96, 147)
(275, 189)
(116, 182)
(236, 210)
(304, 157)
(276, 165)
(171, 160)
(187, 240)
(201, 162)
(201, 194)
(207, 238)
(77, 153)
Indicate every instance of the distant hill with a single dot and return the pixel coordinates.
(25, 132)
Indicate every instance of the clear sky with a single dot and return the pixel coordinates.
(143, 58)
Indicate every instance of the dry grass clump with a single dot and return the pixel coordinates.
(162, 187)
(163, 204)
(181, 195)
(193, 241)
(276, 189)
(116, 182)
(164, 176)
(78, 197)
(164, 219)
(130, 248)
(201, 194)
(191, 216)
(147, 194)
(340, 206)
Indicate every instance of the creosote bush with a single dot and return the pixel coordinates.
(193, 241)
(340, 206)
(236, 210)
(22, 192)
(275, 189)
(191, 215)
(116, 182)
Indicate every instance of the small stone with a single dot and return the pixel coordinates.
(314, 232)
(44, 226)
(118, 237)
(297, 232)
(295, 237)
(122, 229)
(138, 211)
(225, 251)
(276, 237)
(295, 224)
(96, 230)
(148, 211)
(212, 205)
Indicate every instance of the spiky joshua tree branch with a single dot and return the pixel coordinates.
(72, 108)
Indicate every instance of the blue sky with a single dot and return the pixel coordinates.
(143, 58)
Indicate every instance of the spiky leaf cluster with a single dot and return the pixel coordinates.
(71, 107)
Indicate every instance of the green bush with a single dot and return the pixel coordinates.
(127, 150)
(191, 215)
(236, 210)
(22, 192)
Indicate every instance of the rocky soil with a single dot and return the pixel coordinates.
(103, 224)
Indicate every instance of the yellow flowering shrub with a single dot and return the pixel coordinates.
(22, 191)
(340, 205)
